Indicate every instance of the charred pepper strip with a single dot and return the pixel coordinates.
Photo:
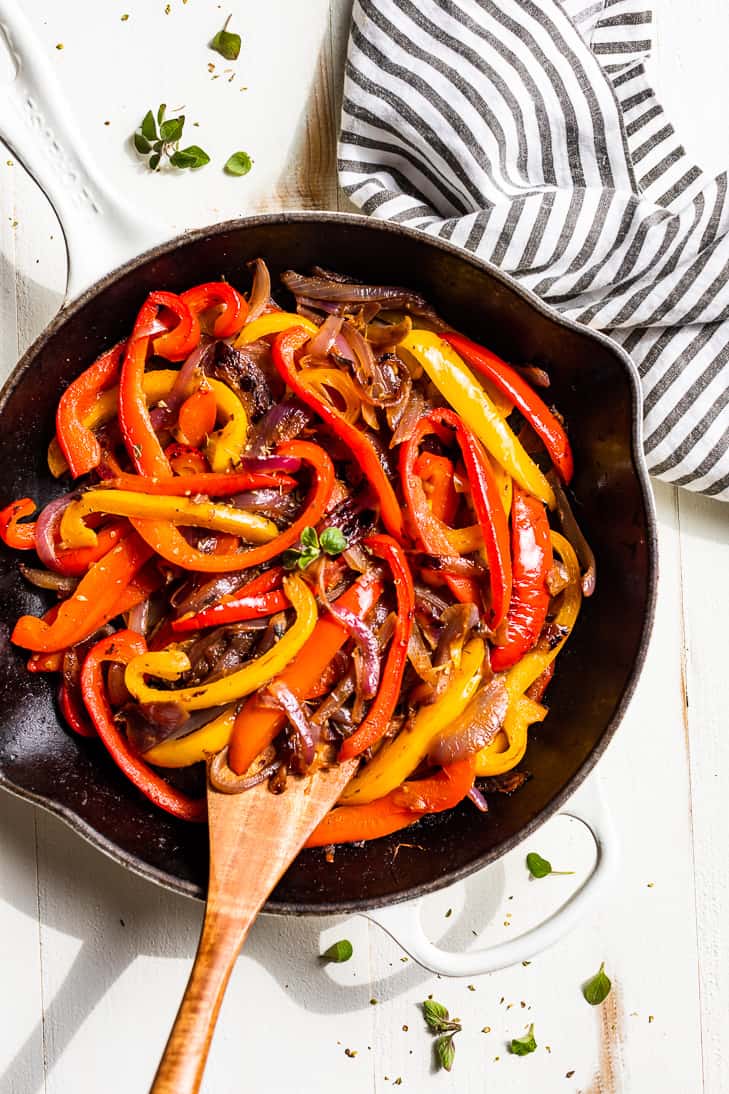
(257, 726)
(123, 647)
(284, 349)
(532, 561)
(78, 443)
(523, 396)
(218, 294)
(258, 598)
(486, 500)
(374, 726)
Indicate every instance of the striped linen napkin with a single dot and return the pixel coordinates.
(527, 132)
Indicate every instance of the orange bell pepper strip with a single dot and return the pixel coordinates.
(96, 595)
(383, 706)
(72, 561)
(21, 537)
(186, 460)
(284, 349)
(233, 308)
(196, 418)
(398, 809)
(257, 726)
(123, 646)
(168, 542)
(210, 483)
(77, 441)
(544, 423)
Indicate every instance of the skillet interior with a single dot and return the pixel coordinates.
(593, 386)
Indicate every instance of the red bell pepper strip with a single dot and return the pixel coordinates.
(210, 483)
(507, 379)
(186, 460)
(196, 418)
(96, 595)
(398, 809)
(427, 527)
(257, 726)
(285, 346)
(218, 294)
(375, 724)
(532, 560)
(438, 474)
(256, 599)
(74, 712)
(139, 435)
(77, 441)
(486, 501)
(21, 537)
(168, 542)
(123, 646)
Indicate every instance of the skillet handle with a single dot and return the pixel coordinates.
(100, 229)
(403, 921)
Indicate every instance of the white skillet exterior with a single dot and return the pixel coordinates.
(646, 935)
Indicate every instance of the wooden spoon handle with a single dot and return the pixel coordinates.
(181, 1068)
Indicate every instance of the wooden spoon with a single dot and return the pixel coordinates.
(254, 837)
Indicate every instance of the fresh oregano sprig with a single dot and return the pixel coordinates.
(226, 42)
(163, 143)
(332, 542)
(522, 1046)
(597, 988)
(440, 1022)
(540, 867)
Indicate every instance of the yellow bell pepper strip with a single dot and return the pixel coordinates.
(95, 596)
(320, 381)
(196, 746)
(359, 444)
(257, 726)
(176, 510)
(273, 323)
(77, 442)
(399, 757)
(491, 760)
(171, 664)
(121, 647)
(225, 446)
(461, 389)
(168, 542)
(508, 748)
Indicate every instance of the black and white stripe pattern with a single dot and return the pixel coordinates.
(526, 131)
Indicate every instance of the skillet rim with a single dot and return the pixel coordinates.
(639, 468)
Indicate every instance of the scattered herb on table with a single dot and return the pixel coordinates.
(226, 42)
(445, 1051)
(163, 143)
(238, 164)
(339, 951)
(440, 1022)
(539, 867)
(522, 1046)
(332, 542)
(597, 989)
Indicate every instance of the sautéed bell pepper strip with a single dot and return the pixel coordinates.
(257, 726)
(398, 809)
(124, 646)
(285, 346)
(186, 460)
(437, 472)
(78, 443)
(532, 561)
(399, 757)
(426, 525)
(71, 562)
(177, 510)
(21, 537)
(168, 542)
(196, 417)
(195, 747)
(171, 664)
(74, 712)
(96, 594)
(140, 439)
(523, 396)
(466, 396)
(257, 598)
(273, 323)
(218, 294)
(207, 482)
(375, 725)
(489, 509)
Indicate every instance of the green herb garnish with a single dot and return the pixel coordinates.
(540, 867)
(226, 43)
(597, 989)
(163, 144)
(522, 1046)
(339, 952)
(438, 1018)
(238, 164)
(332, 542)
(445, 1051)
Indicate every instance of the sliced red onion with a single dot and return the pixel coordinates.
(138, 618)
(320, 343)
(378, 381)
(388, 335)
(428, 602)
(282, 423)
(271, 503)
(573, 532)
(478, 799)
(364, 638)
(319, 290)
(153, 327)
(412, 414)
(263, 464)
(225, 780)
(46, 529)
(163, 416)
(533, 375)
(260, 290)
(48, 579)
(475, 728)
(283, 697)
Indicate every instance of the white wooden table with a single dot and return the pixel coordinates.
(93, 961)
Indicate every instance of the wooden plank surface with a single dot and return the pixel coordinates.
(94, 960)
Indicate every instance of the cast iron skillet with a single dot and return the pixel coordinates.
(596, 388)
